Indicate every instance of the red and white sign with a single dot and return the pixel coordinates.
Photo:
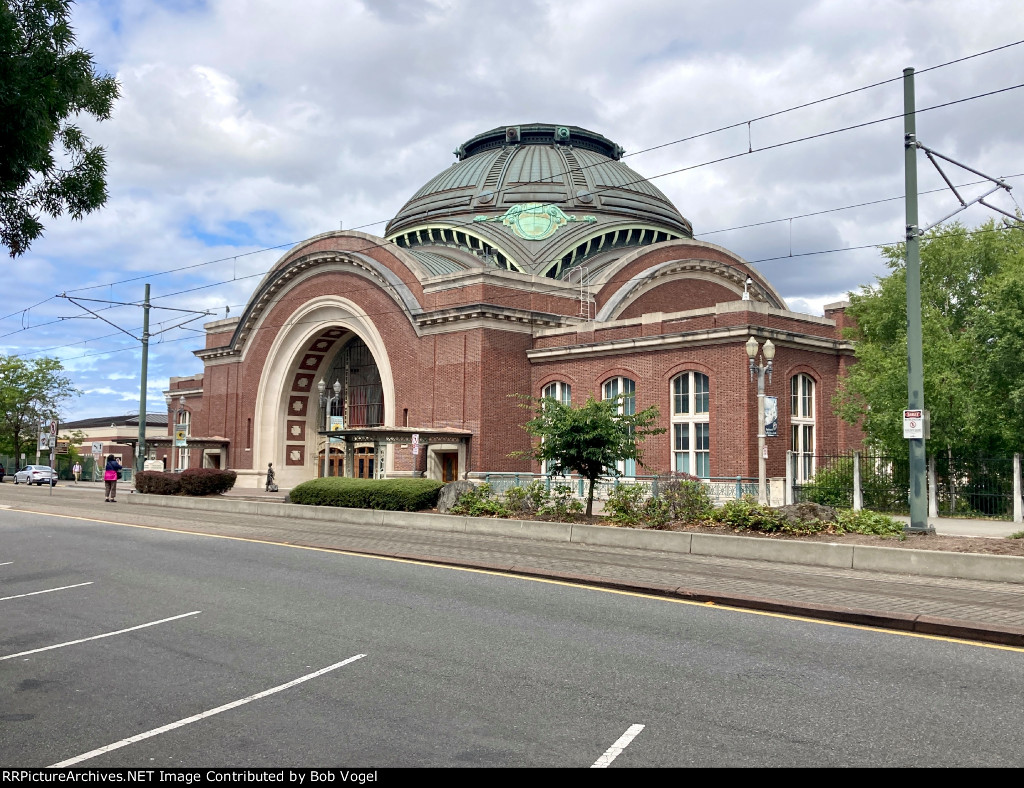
(415, 443)
(915, 424)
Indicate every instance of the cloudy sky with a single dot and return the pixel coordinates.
(246, 126)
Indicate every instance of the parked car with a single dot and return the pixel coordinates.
(36, 474)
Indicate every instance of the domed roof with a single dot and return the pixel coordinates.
(537, 198)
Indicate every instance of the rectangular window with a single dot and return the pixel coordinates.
(702, 394)
(703, 449)
(682, 394)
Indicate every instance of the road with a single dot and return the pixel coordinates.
(182, 650)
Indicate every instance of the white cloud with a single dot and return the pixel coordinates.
(246, 124)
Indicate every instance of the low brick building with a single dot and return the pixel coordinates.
(540, 264)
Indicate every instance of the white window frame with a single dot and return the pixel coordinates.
(690, 395)
(802, 430)
(610, 389)
(559, 390)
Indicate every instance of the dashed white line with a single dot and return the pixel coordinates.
(5, 563)
(616, 749)
(196, 717)
(46, 591)
(97, 637)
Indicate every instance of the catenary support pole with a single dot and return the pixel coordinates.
(140, 455)
(915, 371)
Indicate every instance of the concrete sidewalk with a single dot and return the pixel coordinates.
(876, 586)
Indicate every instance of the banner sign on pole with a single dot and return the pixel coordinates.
(771, 417)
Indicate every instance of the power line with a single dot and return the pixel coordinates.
(530, 294)
(636, 153)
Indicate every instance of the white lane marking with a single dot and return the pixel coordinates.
(47, 591)
(5, 563)
(104, 635)
(616, 749)
(196, 717)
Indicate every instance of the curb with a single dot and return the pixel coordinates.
(894, 560)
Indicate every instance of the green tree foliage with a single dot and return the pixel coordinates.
(31, 392)
(972, 283)
(45, 82)
(589, 440)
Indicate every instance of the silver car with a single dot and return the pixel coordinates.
(36, 474)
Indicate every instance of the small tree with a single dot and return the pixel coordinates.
(589, 440)
(30, 392)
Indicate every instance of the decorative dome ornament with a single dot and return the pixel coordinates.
(534, 221)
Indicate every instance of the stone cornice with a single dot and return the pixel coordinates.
(488, 316)
(686, 339)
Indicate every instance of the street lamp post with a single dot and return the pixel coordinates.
(767, 354)
(325, 403)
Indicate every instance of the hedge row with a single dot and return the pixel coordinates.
(193, 481)
(397, 495)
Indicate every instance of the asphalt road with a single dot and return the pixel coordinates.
(440, 667)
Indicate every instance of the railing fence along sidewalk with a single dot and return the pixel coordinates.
(957, 486)
(720, 488)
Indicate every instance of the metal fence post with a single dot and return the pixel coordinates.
(739, 487)
(1018, 512)
(789, 477)
(858, 488)
(933, 492)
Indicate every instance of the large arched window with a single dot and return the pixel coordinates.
(691, 430)
(801, 419)
(558, 390)
(612, 388)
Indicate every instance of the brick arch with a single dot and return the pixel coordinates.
(287, 401)
(555, 377)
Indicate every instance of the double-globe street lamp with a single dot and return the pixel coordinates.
(767, 354)
(325, 403)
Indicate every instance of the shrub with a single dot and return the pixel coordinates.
(480, 502)
(402, 495)
(527, 500)
(745, 514)
(158, 483)
(868, 522)
(625, 504)
(686, 499)
(1017, 535)
(560, 503)
(832, 486)
(206, 481)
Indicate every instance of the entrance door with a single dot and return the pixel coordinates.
(335, 465)
(364, 461)
(449, 466)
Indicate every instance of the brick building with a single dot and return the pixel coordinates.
(538, 263)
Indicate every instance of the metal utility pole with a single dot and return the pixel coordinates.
(915, 363)
(140, 455)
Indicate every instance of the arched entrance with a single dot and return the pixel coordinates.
(289, 413)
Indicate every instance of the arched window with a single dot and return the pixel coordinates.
(691, 430)
(801, 419)
(561, 392)
(612, 388)
(558, 390)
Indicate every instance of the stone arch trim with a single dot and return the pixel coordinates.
(687, 366)
(282, 279)
(287, 400)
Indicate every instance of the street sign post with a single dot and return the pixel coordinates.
(415, 443)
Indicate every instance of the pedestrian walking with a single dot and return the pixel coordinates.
(77, 470)
(110, 476)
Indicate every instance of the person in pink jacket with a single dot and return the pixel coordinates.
(110, 474)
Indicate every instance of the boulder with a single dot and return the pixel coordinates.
(451, 493)
(807, 512)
